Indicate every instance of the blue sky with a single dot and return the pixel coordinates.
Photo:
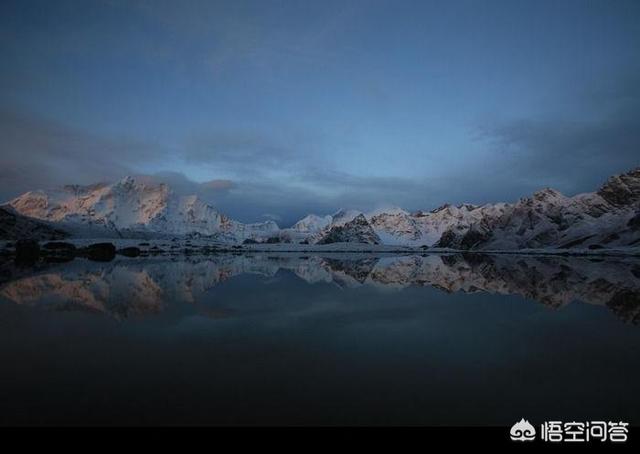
(286, 107)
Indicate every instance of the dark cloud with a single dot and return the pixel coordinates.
(284, 177)
(245, 151)
(40, 153)
(289, 200)
(577, 154)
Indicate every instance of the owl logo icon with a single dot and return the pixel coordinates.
(522, 431)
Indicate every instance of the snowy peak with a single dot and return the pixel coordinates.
(125, 204)
(547, 219)
(607, 218)
(395, 226)
(388, 211)
(312, 223)
(548, 195)
(139, 204)
(342, 216)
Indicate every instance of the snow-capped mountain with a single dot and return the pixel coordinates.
(134, 204)
(609, 217)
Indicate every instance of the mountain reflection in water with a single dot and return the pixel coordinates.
(137, 287)
(336, 339)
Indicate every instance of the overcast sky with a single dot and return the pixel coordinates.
(274, 109)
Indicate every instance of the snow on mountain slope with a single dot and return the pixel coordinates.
(312, 223)
(395, 226)
(342, 216)
(135, 204)
(609, 217)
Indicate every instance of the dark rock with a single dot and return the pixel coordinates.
(273, 240)
(16, 226)
(59, 246)
(100, 252)
(358, 269)
(634, 222)
(131, 251)
(27, 252)
(626, 305)
(595, 246)
(474, 238)
(450, 260)
(620, 190)
(356, 231)
(542, 239)
(249, 241)
(575, 243)
(447, 239)
(58, 251)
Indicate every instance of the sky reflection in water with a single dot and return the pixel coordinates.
(296, 339)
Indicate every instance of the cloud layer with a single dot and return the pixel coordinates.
(272, 109)
(259, 176)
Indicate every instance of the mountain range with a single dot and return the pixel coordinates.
(142, 207)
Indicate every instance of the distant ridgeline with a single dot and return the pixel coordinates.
(139, 207)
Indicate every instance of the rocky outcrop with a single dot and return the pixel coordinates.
(356, 231)
(14, 226)
(622, 190)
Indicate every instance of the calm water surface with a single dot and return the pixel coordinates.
(293, 339)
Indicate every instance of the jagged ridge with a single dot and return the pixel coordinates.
(609, 217)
